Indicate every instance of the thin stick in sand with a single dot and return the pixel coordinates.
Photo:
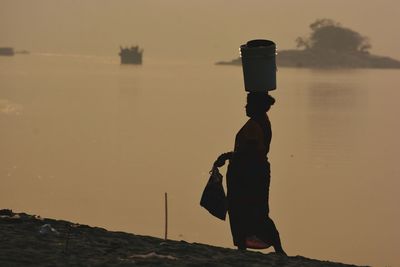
(166, 216)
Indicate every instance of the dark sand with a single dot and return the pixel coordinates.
(24, 241)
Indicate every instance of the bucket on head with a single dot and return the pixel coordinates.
(259, 66)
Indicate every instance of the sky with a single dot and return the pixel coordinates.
(209, 30)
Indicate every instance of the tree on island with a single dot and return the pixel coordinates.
(328, 35)
(330, 46)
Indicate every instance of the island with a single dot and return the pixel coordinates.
(330, 45)
(6, 51)
(9, 51)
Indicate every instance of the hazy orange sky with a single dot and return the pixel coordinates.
(208, 30)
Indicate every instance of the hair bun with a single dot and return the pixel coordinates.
(260, 99)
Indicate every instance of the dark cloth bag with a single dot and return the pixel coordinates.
(213, 198)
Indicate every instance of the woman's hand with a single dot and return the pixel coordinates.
(222, 158)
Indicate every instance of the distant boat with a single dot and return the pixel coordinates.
(6, 51)
(132, 55)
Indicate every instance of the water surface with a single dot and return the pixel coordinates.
(86, 139)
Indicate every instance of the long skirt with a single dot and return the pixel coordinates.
(248, 209)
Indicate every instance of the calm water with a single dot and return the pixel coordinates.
(88, 140)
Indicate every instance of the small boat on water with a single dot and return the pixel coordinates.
(6, 51)
(131, 55)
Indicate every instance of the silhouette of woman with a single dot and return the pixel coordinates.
(248, 177)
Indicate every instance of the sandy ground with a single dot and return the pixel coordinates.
(29, 240)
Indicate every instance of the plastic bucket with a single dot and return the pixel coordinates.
(259, 66)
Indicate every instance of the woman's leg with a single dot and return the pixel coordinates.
(275, 238)
(237, 221)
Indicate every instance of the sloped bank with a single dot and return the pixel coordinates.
(28, 240)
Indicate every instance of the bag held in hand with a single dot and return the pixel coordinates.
(213, 198)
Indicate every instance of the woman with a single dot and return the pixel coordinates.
(248, 178)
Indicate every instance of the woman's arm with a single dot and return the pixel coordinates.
(222, 158)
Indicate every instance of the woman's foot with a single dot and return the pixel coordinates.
(280, 251)
(242, 248)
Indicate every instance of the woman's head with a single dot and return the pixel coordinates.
(258, 103)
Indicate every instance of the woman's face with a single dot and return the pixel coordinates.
(248, 112)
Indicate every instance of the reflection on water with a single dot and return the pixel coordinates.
(98, 143)
(335, 118)
(334, 96)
